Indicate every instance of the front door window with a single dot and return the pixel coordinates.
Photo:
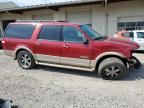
(71, 34)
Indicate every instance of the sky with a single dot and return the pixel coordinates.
(33, 2)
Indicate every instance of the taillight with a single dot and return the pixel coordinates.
(3, 42)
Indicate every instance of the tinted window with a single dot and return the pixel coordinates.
(22, 31)
(129, 34)
(140, 35)
(71, 34)
(50, 32)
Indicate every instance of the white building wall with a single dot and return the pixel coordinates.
(10, 16)
(106, 25)
(99, 19)
(79, 14)
(60, 15)
(123, 9)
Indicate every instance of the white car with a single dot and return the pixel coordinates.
(136, 35)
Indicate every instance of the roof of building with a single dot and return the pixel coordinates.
(57, 5)
(4, 5)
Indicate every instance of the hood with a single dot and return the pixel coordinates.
(123, 41)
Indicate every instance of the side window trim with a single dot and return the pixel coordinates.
(41, 32)
(71, 41)
(61, 34)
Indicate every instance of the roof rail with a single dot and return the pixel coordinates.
(41, 21)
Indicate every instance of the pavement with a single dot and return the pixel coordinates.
(47, 87)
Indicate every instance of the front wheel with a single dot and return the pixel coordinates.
(112, 69)
(25, 60)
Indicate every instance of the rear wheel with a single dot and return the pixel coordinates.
(25, 60)
(112, 69)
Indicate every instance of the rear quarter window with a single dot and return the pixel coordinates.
(20, 31)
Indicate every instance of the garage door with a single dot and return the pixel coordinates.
(131, 23)
(83, 17)
(43, 17)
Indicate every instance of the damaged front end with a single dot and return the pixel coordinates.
(134, 62)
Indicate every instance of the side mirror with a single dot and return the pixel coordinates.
(85, 41)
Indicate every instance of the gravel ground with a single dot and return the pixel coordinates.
(45, 87)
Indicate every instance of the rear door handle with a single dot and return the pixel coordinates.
(65, 46)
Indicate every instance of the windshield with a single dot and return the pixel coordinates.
(90, 32)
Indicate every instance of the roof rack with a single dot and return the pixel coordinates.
(41, 21)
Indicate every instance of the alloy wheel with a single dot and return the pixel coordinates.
(25, 60)
(112, 71)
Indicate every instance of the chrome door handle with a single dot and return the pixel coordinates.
(37, 44)
(65, 46)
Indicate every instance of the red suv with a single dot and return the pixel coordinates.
(68, 45)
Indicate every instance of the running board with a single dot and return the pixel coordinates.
(66, 67)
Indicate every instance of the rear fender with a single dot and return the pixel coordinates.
(23, 48)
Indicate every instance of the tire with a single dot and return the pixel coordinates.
(112, 69)
(25, 60)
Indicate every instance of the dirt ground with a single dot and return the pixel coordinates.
(46, 87)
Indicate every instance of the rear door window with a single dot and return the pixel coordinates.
(20, 31)
(50, 32)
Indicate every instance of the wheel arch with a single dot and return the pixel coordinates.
(22, 48)
(95, 64)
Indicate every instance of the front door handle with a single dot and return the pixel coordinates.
(38, 44)
(65, 46)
